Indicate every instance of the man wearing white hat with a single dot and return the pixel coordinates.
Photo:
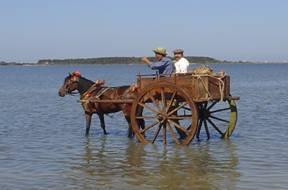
(181, 64)
(163, 64)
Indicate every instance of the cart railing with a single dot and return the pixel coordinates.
(199, 87)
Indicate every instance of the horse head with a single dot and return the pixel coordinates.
(71, 83)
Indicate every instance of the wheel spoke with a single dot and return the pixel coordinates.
(199, 129)
(188, 109)
(146, 117)
(205, 105)
(178, 117)
(176, 109)
(206, 129)
(157, 133)
(178, 126)
(200, 106)
(219, 119)
(219, 110)
(171, 101)
(215, 127)
(154, 101)
(164, 134)
(212, 105)
(149, 108)
(173, 133)
(148, 127)
(163, 99)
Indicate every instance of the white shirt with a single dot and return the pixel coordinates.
(181, 65)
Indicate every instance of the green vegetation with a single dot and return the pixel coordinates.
(122, 60)
(3, 63)
(117, 60)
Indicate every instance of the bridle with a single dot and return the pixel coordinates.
(73, 79)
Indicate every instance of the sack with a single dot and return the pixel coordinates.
(202, 70)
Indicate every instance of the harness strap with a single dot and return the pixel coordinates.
(88, 91)
(102, 91)
(91, 89)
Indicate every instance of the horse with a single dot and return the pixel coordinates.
(90, 90)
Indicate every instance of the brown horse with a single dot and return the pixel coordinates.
(90, 90)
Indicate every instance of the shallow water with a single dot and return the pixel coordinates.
(42, 142)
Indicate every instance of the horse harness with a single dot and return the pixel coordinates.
(92, 89)
(101, 92)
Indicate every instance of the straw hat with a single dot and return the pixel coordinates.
(160, 50)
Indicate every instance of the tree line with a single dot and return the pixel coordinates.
(118, 60)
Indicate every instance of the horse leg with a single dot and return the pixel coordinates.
(130, 131)
(88, 117)
(141, 123)
(102, 123)
(181, 133)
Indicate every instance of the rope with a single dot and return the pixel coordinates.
(221, 84)
(221, 87)
(199, 77)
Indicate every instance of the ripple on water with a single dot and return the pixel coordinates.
(42, 142)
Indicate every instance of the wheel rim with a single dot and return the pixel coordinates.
(217, 118)
(169, 115)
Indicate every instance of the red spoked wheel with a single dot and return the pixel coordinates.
(164, 112)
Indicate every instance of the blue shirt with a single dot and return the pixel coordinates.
(164, 66)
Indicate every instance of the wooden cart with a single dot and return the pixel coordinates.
(181, 106)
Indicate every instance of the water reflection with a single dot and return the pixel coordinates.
(132, 165)
(44, 147)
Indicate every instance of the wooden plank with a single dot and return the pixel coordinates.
(198, 87)
(128, 101)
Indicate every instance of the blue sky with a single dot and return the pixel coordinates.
(254, 30)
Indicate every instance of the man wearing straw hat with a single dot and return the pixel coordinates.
(163, 64)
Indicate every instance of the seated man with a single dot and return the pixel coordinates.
(181, 64)
(163, 64)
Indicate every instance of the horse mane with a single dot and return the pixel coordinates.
(87, 80)
(85, 84)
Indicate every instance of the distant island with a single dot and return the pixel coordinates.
(115, 60)
(106, 60)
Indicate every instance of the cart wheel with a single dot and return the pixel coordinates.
(217, 118)
(168, 113)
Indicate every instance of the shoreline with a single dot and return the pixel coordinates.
(126, 60)
(75, 64)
